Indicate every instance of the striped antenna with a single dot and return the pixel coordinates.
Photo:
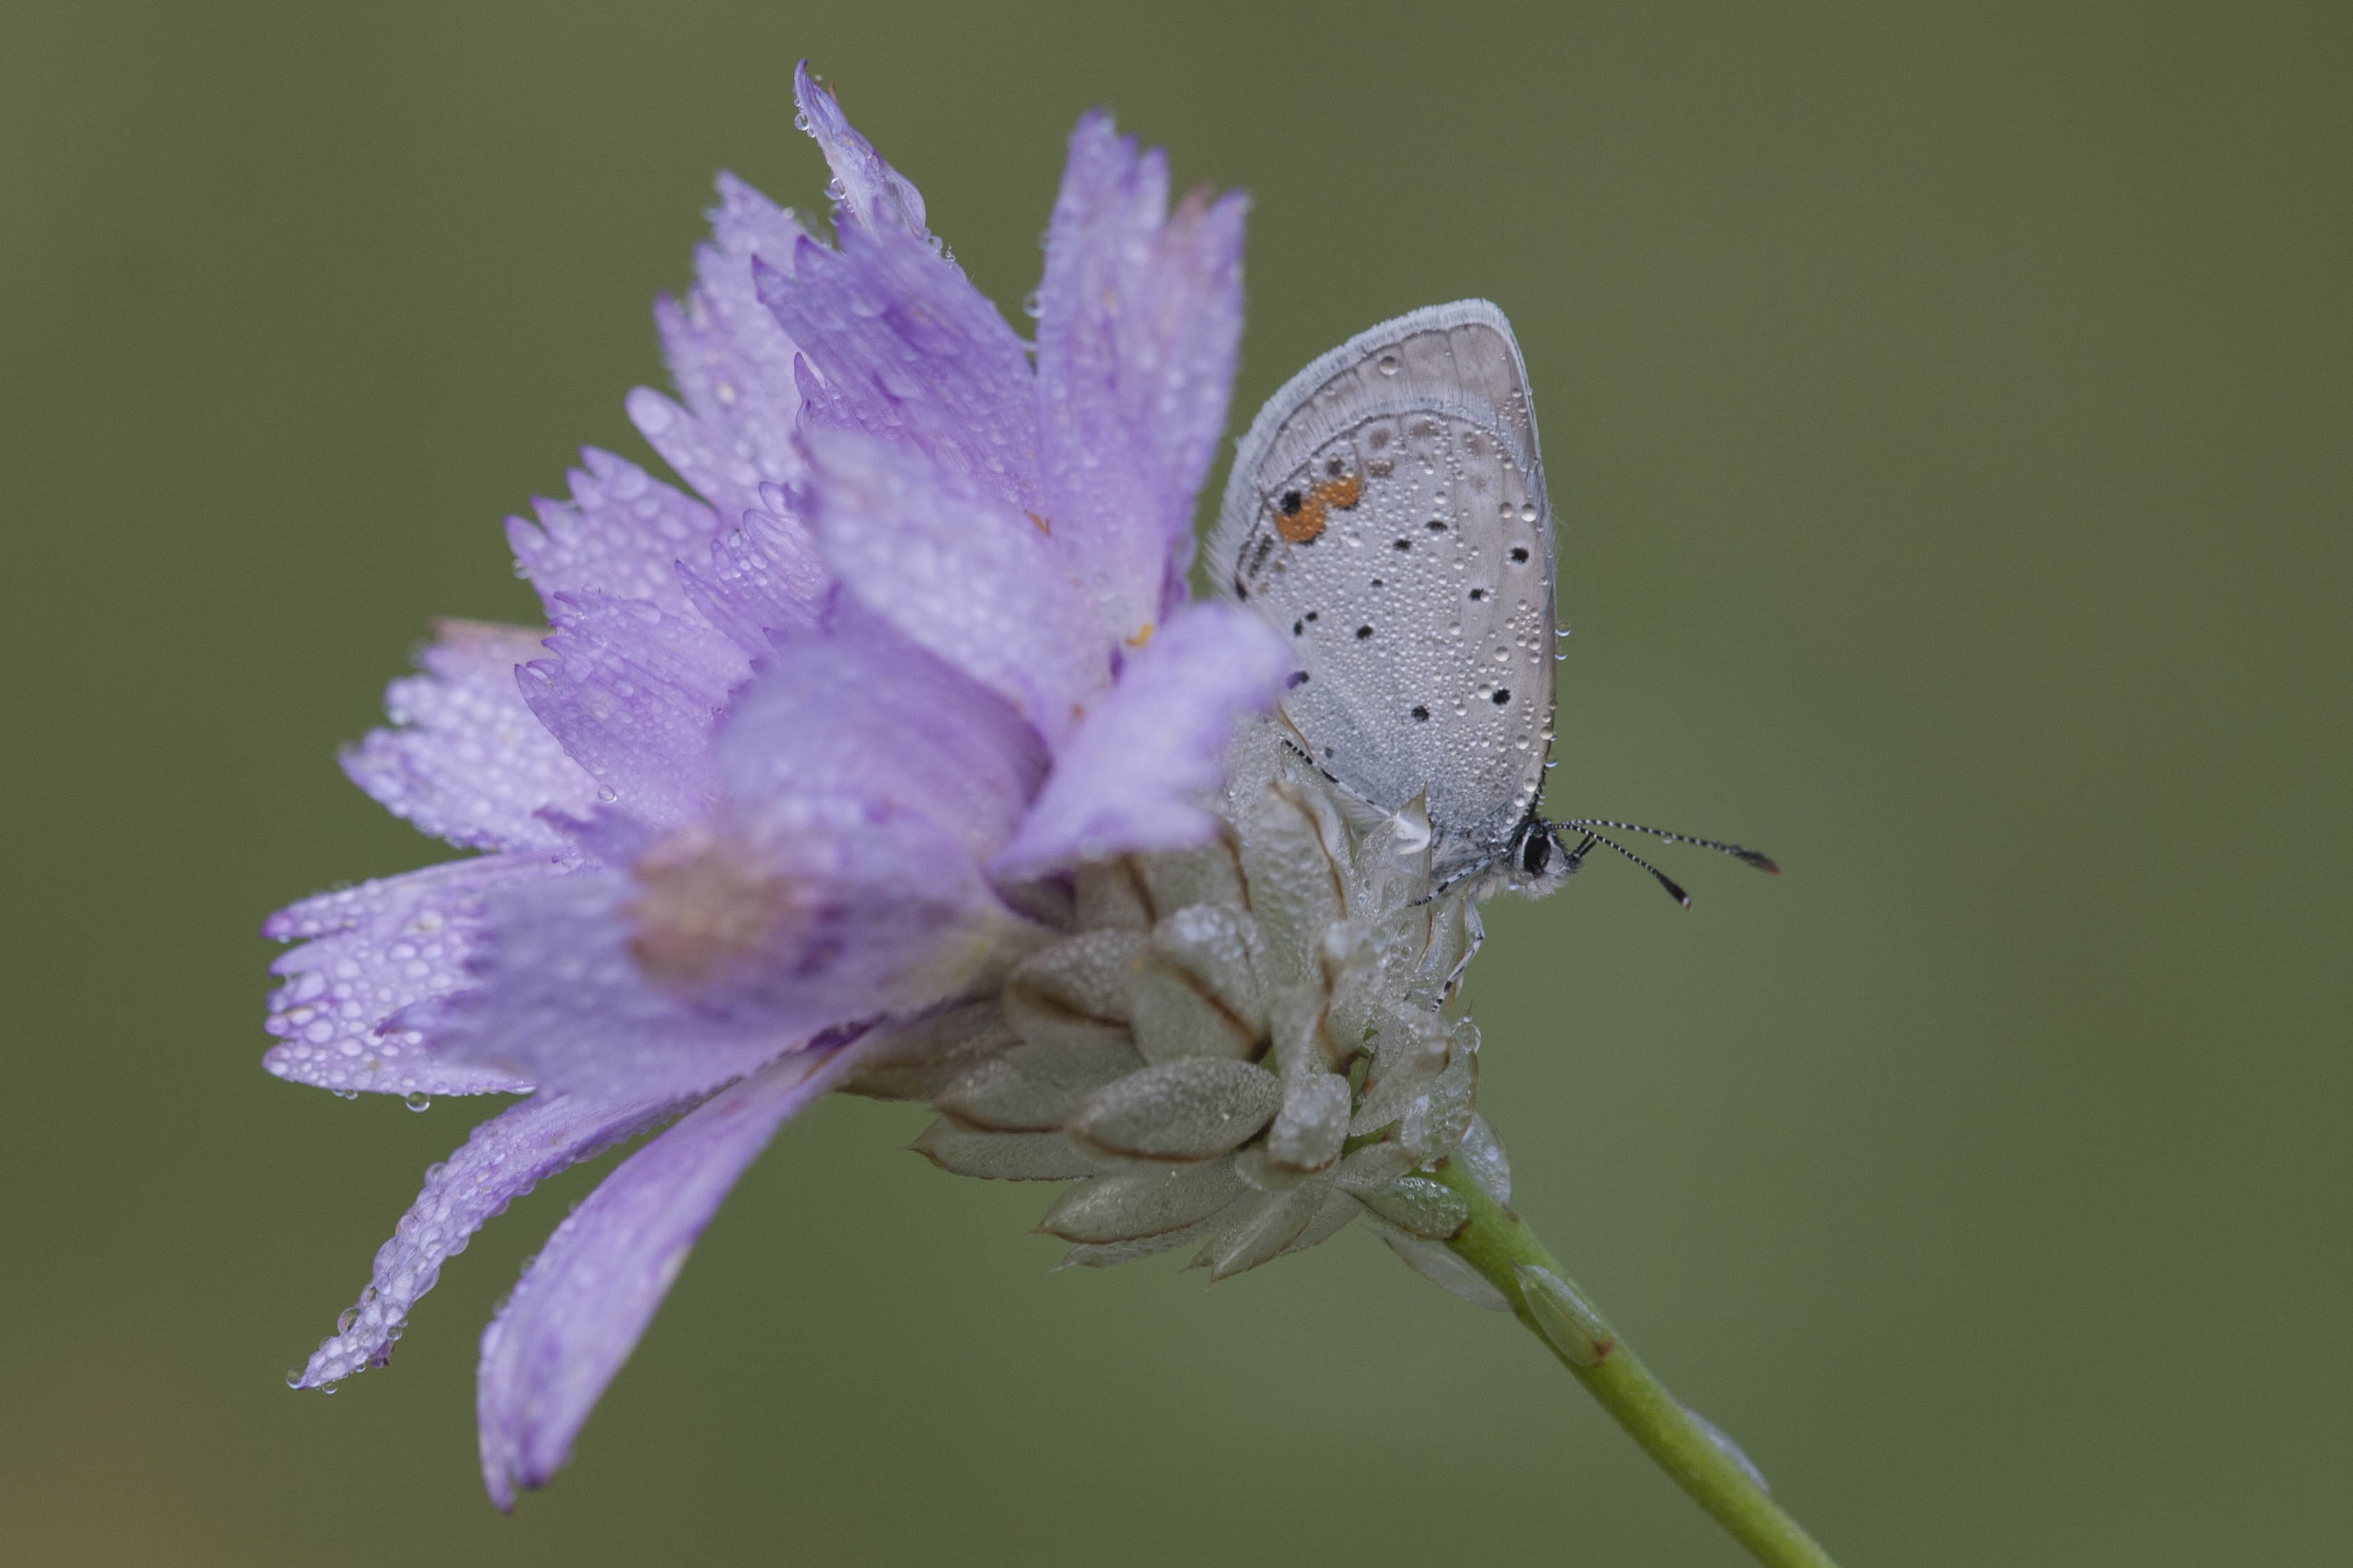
(1576, 858)
(1756, 857)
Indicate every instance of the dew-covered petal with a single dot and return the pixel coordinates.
(1139, 325)
(1142, 1203)
(585, 1300)
(559, 1000)
(859, 713)
(732, 363)
(1004, 1156)
(870, 194)
(1077, 992)
(468, 761)
(367, 953)
(761, 581)
(1193, 1109)
(634, 695)
(966, 576)
(1136, 774)
(504, 1158)
(704, 458)
(717, 954)
(897, 342)
(620, 534)
(1036, 1089)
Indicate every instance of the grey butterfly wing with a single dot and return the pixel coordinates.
(1386, 512)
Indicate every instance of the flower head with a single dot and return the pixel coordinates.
(811, 749)
(1238, 1047)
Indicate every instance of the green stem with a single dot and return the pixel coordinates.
(1500, 1247)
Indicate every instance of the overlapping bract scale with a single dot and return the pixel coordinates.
(1239, 1048)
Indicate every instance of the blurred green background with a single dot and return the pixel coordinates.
(1949, 411)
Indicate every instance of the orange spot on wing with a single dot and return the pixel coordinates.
(1315, 507)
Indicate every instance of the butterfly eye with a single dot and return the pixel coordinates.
(1535, 853)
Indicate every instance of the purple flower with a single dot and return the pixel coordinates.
(806, 749)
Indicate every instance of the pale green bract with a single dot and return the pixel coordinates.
(1237, 1049)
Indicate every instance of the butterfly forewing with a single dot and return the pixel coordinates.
(1386, 512)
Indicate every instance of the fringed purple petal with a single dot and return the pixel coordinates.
(620, 534)
(550, 1353)
(732, 363)
(504, 1158)
(633, 696)
(900, 346)
(762, 580)
(370, 950)
(706, 459)
(732, 943)
(468, 761)
(861, 713)
(557, 1000)
(1140, 324)
(897, 342)
(870, 193)
(1138, 772)
(975, 582)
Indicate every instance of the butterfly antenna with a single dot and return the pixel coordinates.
(1674, 891)
(1756, 857)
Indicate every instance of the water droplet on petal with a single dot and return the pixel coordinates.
(1033, 305)
(345, 1321)
(417, 1101)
